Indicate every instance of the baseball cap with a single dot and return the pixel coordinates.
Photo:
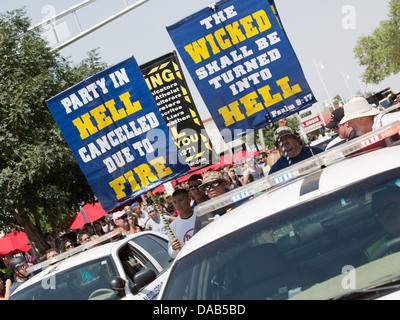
(336, 116)
(150, 208)
(357, 108)
(212, 176)
(284, 131)
(118, 214)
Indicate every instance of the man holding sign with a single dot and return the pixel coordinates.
(115, 131)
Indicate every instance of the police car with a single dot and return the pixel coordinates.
(325, 228)
(127, 268)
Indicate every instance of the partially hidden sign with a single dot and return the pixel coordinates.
(117, 134)
(168, 86)
(242, 64)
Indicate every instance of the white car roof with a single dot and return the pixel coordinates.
(85, 256)
(333, 177)
(94, 253)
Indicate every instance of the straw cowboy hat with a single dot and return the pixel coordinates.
(357, 108)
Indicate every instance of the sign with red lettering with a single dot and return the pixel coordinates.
(311, 122)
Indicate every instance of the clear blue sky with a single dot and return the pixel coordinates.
(324, 30)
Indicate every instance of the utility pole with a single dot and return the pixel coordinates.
(82, 33)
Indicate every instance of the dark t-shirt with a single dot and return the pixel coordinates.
(304, 154)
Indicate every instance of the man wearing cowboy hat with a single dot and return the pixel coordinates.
(294, 148)
(344, 131)
(364, 118)
(213, 184)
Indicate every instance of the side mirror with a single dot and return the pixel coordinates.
(117, 284)
(143, 278)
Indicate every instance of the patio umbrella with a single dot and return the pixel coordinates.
(91, 212)
(226, 159)
(13, 243)
(243, 154)
(239, 156)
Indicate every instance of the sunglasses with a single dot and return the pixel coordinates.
(123, 217)
(194, 187)
(213, 185)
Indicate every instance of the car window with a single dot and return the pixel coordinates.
(157, 247)
(86, 281)
(301, 249)
(133, 261)
(321, 143)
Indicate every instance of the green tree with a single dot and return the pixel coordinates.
(337, 100)
(41, 183)
(379, 52)
(268, 132)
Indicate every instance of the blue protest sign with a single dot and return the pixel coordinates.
(116, 133)
(242, 64)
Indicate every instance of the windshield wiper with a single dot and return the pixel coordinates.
(374, 290)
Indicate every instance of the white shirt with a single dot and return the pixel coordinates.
(335, 142)
(384, 119)
(157, 225)
(183, 230)
(142, 218)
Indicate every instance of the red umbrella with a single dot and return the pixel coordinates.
(243, 154)
(160, 188)
(227, 158)
(91, 211)
(13, 243)
(196, 171)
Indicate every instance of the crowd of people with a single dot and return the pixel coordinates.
(356, 118)
(174, 215)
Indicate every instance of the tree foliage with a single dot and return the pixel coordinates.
(379, 52)
(41, 183)
(268, 132)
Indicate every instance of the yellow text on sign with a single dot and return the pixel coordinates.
(85, 124)
(232, 112)
(228, 36)
(143, 174)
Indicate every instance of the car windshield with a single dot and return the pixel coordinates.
(86, 281)
(323, 248)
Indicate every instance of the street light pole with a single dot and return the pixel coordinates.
(345, 77)
(321, 66)
(363, 92)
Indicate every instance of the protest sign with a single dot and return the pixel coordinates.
(116, 133)
(242, 64)
(168, 86)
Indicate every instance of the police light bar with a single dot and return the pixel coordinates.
(297, 170)
(41, 265)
